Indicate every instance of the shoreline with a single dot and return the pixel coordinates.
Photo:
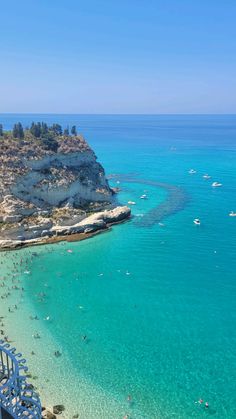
(74, 237)
(17, 335)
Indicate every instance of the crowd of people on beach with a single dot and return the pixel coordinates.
(12, 287)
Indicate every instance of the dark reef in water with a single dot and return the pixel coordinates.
(176, 200)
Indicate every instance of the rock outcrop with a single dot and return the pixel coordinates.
(46, 193)
(47, 232)
(47, 414)
(33, 178)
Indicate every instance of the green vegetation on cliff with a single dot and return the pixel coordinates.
(48, 136)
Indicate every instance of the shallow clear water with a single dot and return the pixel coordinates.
(156, 302)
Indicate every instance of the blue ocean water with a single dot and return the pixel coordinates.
(155, 296)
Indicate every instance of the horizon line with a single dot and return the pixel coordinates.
(119, 114)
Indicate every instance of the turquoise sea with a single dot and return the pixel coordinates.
(155, 296)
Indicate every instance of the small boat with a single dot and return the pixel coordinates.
(232, 214)
(192, 171)
(131, 203)
(197, 221)
(144, 196)
(206, 176)
(216, 184)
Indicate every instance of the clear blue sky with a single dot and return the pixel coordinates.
(118, 56)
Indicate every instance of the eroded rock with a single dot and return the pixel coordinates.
(47, 414)
(58, 409)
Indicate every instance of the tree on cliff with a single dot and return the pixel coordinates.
(66, 131)
(35, 129)
(1, 130)
(73, 130)
(44, 128)
(49, 142)
(18, 131)
(57, 129)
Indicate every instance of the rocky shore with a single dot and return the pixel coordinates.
(54, 412)
(46, 232)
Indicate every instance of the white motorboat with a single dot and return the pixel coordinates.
(206, 176)
(232, 214)
(216, 184)
(144, 196)
(131, 203)
(192, 171)
(197, 221)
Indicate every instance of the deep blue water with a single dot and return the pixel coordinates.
(161, 320)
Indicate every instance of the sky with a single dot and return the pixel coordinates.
(118, 56)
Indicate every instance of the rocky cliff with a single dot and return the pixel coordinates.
(45, 191)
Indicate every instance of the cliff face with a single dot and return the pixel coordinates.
(46, 193)
(34, 179)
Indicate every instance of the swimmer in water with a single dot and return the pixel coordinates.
(129, 399)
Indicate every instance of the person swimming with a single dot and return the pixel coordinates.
(130, 400)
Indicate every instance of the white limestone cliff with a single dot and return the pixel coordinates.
(43, 191)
